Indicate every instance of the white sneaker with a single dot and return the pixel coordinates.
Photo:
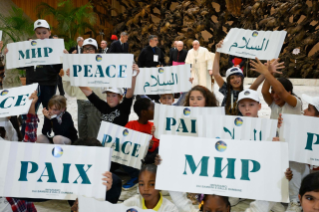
(234, 201)
(278, 207)
(293, 206)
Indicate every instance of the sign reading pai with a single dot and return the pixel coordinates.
(51, 171)
(35, 52)
(129, 146)
(99, 70)
(224, 167)
(15, 101)
(265, 45)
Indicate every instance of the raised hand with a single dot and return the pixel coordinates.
(275, 65)
(259, 67)
(219, 44)
(34, 97)
(108, 180)
(68, 72)
(46, 113)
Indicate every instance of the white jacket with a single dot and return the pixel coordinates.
(182, 202)
(136, 200)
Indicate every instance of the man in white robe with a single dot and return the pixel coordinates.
(202, 63)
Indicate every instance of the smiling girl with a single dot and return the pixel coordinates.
(200, 96)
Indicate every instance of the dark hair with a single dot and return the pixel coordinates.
(87, 141)
(151, 37)
(316, 111)
(2, 132)
(287, 84)
(141, 104)
(148, 167)
(55, 36)
(228, 109)
(1, 67)
(210, 98)
(309, 183)
(202, 198)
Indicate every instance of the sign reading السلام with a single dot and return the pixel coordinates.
(266, 45)
(35, 52)
(52, 171)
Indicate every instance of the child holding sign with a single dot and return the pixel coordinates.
(200, 96)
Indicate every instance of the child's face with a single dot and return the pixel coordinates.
(113, 99)
(146, 185)
(278, 101)
(249, 107)
(310, 201)
(166, 99)
(215, 204)
(197, 99)
(310, 111)
(150, 112)
(235, 81)
(55, 111)
(88, 49)
(42, 33)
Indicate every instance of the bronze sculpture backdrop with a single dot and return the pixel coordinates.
(209, 20)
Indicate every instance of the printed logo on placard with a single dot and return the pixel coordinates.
(221, 146)
(57, 151)
(246, 93)
(255, 34)
(238, 122)
(98, 58)
(160, 70)
(187, 111)
(4, 92)
(33, 43)
(132, 210)
(125, 132)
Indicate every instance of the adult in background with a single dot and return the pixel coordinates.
(201, 61)
(178, 55)
(120, 46)
(173, 48)
(151, 56)
(103, 46)
(77, 49)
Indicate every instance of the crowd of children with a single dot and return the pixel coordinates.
(58, 128)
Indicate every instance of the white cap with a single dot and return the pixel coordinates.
(41, 23)
(114, 90)
(314, 101)
(248, 94)
(234, 70)
(90, 41)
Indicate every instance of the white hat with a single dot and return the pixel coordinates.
(114, 90)
(314, 101)
(90, 41)
(248, 94)
(41, 23)
(234, 70)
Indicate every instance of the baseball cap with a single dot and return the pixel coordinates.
(114, 90)
(234, 70)
(41, 23)
(248, 94)
(90, 41)
(314, 101)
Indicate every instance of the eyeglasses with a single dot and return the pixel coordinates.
(88, 49)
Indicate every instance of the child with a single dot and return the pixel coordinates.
(200, 96)
(89, 117)
(281, 99)
(144, 108)
(166, 99)
(58, 120)
(149, 197)
(233, 85)
(309, 193)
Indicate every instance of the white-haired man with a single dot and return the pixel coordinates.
(178, 55)
(77, 49)
(202, 63)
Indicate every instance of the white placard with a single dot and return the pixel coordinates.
(0, 35)
(52, 171)
(302, 134)
(265, 45)
(235, 127)
(129, 146)
(99, 70)
(178, 120)
(170, 79)
(89, 204)
(34, 52)
(244, 169)
(15, 101)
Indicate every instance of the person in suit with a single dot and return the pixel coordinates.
(77, 49)
(179, 54)
(172, 49)
(120, 46)
(104, 48)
